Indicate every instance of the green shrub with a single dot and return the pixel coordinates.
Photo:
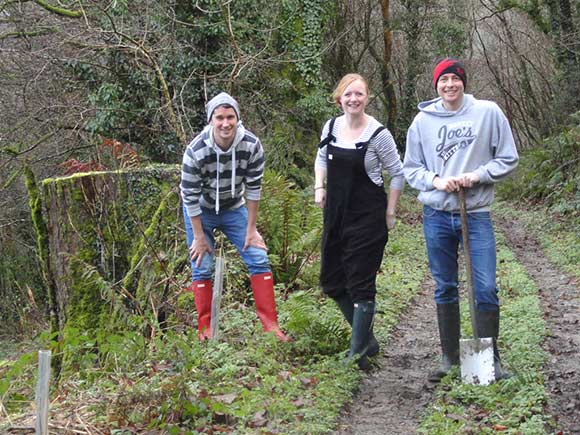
(551, 173)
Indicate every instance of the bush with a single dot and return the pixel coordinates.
(550, 174)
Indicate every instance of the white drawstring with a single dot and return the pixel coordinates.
(234, 172)
(217, 189)
(240, 132)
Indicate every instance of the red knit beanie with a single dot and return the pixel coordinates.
(449, 65)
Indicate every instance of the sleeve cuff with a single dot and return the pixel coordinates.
(429, 180)
(193, 211)
(253, 195)
(483, 178)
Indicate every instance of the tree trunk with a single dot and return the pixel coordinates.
(570, 57)
(413, 30)
(35, 202)
(388, 87)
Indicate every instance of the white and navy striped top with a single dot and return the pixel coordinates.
(381, 152)
(217, 179)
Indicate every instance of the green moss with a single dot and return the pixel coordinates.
(155, 240)
(86, 299)
(76, 192)
(41, 230)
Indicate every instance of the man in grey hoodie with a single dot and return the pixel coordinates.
(221, 181)
(457, 141)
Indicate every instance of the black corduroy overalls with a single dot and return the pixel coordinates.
(355, 228)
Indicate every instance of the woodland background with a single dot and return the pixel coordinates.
(76, 75)
(104, 85)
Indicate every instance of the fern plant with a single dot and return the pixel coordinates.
(291, 225)
(317, 323)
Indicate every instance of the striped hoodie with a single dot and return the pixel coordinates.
(217, 179)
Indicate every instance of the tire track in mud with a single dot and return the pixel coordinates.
(560, 301)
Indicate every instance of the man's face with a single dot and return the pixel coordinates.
(450, 88)
(224, 122)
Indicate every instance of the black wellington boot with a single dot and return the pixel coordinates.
(449, 328)
(488, 326)
(345, 304)
(362, 324)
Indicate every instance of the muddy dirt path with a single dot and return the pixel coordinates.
(393, 398)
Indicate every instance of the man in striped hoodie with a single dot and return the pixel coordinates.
(221, 182)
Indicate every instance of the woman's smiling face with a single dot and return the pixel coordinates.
(354, 98)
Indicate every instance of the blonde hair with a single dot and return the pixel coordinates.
(344, 83)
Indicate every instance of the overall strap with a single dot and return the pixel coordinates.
(359, 145)
(330, 137)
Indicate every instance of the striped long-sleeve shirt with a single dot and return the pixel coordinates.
(381, 153)
(217, 179)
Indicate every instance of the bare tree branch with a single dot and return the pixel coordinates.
(58, 10)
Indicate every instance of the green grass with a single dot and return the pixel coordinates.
(249, 383)
(246, 382)
(17, 365)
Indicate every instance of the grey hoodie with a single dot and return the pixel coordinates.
(476, 138)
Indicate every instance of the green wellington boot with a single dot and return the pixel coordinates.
(345, 304)
(362, 324)
(488, 326)
(449, 329)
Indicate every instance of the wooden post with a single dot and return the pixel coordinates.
(217, 295)
(42, 396)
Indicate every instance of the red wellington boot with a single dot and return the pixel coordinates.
(202, 292)
(263, 289)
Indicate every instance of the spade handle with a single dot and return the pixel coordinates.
(468, 267)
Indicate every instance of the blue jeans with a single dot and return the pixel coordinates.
(233, 224)
(443, 236)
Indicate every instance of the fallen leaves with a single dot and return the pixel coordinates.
(259, 419)
(228, 399)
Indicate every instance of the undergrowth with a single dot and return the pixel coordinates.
(550, 174)
(248, 383)
(244, 383)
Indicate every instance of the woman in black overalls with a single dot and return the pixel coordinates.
(355, 148)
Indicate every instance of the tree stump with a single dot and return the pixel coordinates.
(116, 250)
